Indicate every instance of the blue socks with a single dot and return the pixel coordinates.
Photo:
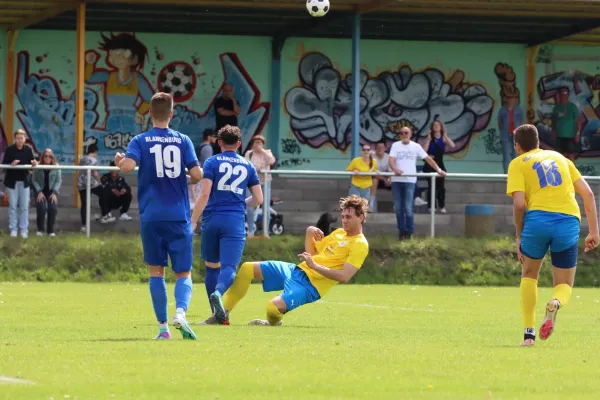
(183, 293)
(158, 291)
(210, 281)
(226, 278)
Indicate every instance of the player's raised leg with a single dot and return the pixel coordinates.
(565, 246)
(180, 248)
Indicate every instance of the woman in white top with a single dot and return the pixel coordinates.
(403, 160)
(262, 159)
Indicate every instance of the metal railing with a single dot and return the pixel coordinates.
(431, 175)
(302, 173)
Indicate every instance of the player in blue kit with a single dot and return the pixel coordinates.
(163, 155)
(222, 204)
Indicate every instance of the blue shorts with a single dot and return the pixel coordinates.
(223, 239)
(297, 289)
(559, 232)
(166, 239)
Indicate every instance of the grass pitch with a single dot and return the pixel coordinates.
(93, 341)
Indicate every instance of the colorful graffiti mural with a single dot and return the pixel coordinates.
(320, 107)
(117, 97)
(581, 86)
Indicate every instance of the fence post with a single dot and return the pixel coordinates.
(432, 210)
(266, 204)
(88, 195)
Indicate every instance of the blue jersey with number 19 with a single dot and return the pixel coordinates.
(231, 174)
(546, 178)
(162, 156)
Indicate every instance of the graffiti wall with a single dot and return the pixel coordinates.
(576, 69)
(401, 84)
(122, 72)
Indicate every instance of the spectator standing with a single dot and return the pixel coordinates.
(46, 184)
(227, 110)
(205, 149)
(510, 117)
(566, 125)
(361, 185)
(117, 192)
(380, 182)
(17, 184)
(403, 160)
(435, 145)
(262, 159)
(91, 159)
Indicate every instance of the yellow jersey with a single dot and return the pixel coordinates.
(333, 251)
(358, 163)
(547, 179)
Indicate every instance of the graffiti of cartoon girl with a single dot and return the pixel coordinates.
(127, 92)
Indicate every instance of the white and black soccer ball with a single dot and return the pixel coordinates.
(317, 8)
(178, 79)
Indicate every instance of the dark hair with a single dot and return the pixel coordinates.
(92, 148)
(126, 41)
(527, 137)
(431, 134)
(161, 106)
(370, 157)
(230, 135)
(207, 133)
(111, 164)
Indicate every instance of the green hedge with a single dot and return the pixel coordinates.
(422, 261)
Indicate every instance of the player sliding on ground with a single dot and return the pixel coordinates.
(222, 204)
(162, 155)
(326, 261)
(542, 184)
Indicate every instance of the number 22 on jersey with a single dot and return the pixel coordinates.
(167, 160)
(548, 173)
(228, 170)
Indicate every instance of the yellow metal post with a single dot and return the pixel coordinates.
(532, 53)
(9, 107)
(79, 110)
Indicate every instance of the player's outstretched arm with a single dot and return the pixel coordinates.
(589, 204)
(125, 164)
(257, 197)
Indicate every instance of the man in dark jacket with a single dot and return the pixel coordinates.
(17, 183)
(117, 192)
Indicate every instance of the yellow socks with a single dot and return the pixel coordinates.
(240, 286)
(529, 296)
(562, 293)
(273, 314)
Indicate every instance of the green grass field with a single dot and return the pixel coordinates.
(93, 341)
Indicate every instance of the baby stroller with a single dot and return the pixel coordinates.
(275, 220)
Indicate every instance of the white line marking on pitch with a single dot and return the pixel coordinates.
(375, 306)
(8, 379)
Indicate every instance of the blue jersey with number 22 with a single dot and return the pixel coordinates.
(230, 174)
(162, 156)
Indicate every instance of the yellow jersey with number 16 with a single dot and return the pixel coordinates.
(547, 179)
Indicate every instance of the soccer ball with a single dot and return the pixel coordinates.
(178, 79)
(317, 8)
